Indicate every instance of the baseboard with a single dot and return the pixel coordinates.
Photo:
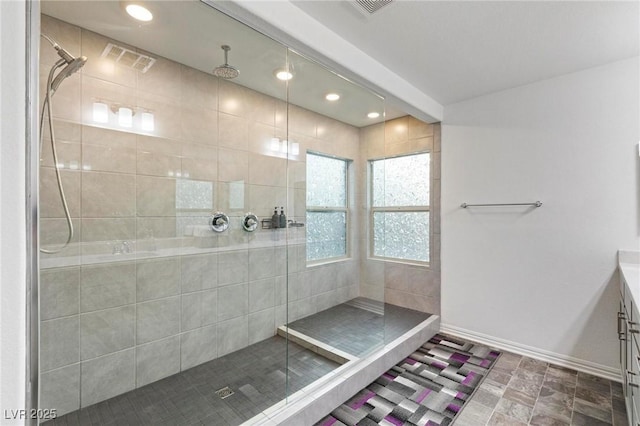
(541, 354)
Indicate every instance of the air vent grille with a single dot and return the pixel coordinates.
(128, 57)
(372, 6)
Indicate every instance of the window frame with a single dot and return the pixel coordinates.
(330, 209)
(395, 209)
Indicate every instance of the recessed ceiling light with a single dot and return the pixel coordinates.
(332, 97)
(373, 115)
(283, 75)
(138, 12)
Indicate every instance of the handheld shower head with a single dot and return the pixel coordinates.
(71, 68)
(226, 71)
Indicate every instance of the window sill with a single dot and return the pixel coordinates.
(426, 265)
(324, 262)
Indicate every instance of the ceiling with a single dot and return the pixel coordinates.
(191, 33)
(447, 50)
(456, 50)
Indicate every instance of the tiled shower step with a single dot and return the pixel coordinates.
(316, 400)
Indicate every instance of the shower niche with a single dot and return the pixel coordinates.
(171, 286)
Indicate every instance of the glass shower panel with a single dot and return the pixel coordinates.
(147, 291)
(334, 296)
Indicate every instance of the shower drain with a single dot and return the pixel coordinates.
(225, 392)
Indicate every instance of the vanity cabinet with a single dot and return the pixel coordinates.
(629, 337)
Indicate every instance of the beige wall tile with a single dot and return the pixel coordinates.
(158, 156)
(104, 332)
(233, 197)
(109, 159)
(105, 377)
(199, 272)
(233, 334)
(260, 108)
(302, 121)
(107, 286)
(232, 98)
(157, 319)
(156, 279)
(50, 201)
(92, 135)
(199, 126)
(59, 292)
(198, 346)
(54, 234)
(198, 89)
(418, 129)
(163, 78)
(157, 360)
(233, 131)
(267, 170)
(396, 131)
(59, 342)
(123, 229)
(148, 228)
(233, 165)
(167, 114)
(262, 199)
(155, 196)
(60, 389)
(108, 195)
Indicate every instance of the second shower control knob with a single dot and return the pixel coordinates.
(219, 222)
(250, 222)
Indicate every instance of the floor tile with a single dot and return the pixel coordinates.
(533, 365)
(580, 419)
(499, 419)
(593, 410)
(514, 409)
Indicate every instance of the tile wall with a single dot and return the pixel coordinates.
(410, 286)
(146, 290)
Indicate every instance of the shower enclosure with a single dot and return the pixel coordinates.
(184, 279)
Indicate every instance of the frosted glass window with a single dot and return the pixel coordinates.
(326, 181)
(401, 181)
(401, 235)
(327, 213)
(399, 189)
(326, 235)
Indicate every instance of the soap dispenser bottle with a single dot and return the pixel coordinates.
(275, 219)
(283, 218)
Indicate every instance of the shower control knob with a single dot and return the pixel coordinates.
(250, 222)
(219, 222)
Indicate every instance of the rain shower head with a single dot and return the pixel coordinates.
(226, 71)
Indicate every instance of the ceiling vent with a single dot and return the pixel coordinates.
(128, 58)
(369, 7)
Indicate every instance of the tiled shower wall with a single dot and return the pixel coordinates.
(182, 296)
(410, 286)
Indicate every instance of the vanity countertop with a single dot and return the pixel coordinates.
(629, 264)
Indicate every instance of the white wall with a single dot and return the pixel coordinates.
(12, 208)
(542, 279)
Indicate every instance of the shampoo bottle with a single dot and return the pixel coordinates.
(275, 219)
(283, 218)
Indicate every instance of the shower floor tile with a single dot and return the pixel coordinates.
(358, 331)
(256, 375)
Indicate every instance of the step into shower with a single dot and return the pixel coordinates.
(343, 334)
